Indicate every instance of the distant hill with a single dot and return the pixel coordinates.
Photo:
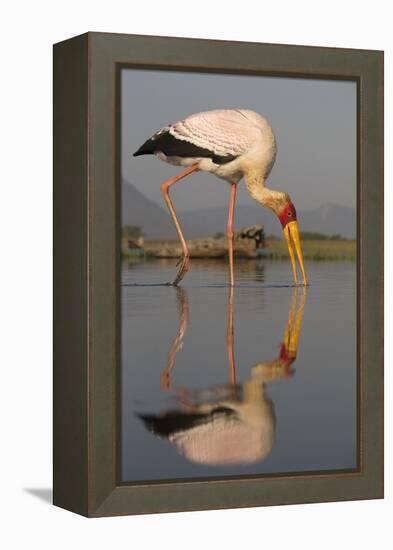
(155, 221)
(328, 218)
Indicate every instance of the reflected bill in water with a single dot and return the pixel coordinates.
(232, 423)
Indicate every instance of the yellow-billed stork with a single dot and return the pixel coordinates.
(232, 144)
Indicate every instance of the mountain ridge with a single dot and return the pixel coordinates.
(329, 218)
(137, 209)
(155, 221)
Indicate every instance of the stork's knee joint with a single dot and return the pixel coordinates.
(230, 234)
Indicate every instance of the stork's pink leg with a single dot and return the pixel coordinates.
(184, 260)
(230, 233)
(231, 353)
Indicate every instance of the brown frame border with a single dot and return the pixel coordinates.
(86, 293)
(117, 183)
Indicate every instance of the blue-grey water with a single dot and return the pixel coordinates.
(287, 402)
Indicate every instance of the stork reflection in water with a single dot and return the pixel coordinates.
(233, 423)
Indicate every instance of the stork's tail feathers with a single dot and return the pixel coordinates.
(148, 148)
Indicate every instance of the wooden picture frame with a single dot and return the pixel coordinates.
(86, 258)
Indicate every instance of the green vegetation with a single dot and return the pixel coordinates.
(315, 236)
(323, 249)
(132, 257)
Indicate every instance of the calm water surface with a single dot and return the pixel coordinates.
(258, 381)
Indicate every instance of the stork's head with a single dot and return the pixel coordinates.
(280, 203)
(286, 213)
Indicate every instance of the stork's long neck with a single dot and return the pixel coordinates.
(255, 184)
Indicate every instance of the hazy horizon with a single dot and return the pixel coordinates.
(186, 208)
(314, 122)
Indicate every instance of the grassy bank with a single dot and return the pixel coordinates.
(276, 249)
(314, 250)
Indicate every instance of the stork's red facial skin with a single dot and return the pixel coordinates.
(287, 214)
(285, 356)
(287, 360)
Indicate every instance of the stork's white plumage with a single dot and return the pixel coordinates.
(232, 144)
(227, 141)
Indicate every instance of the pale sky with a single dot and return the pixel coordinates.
(314, 122)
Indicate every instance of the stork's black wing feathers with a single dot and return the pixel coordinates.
(178, 421)
(166, 143)
(171, 423)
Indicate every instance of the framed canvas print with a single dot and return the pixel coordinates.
(218, 274)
